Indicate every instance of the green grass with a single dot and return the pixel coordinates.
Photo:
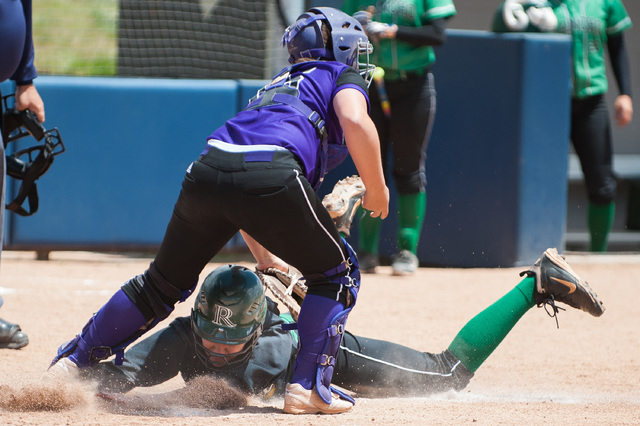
(75, 37)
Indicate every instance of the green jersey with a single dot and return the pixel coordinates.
(392, 54)
(590, 23)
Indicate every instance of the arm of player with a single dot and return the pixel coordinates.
(363, 143)
(620, 64)
(264, 258)
(27, 97)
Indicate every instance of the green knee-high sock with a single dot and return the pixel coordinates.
(482, 335)
(369, 234)
(411, 211)
(600, 219)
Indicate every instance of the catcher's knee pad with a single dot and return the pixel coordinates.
(347, 277)
(153, 294)
(155, 297)
(340, 283)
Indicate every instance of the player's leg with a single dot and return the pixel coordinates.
(410, 135)
(379, 368)
(591, 137)
(194, 235)
(550, 280)
(369, 229)
(298, 229)
(600, 219)
(483, 333)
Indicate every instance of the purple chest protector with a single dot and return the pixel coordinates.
(283, 90)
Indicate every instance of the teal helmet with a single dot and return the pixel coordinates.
(230, 309)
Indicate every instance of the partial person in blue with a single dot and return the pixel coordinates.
(258, 175)
(16, 64)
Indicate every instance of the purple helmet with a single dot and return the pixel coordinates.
(348, 39)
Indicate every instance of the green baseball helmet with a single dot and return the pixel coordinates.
(230, 309)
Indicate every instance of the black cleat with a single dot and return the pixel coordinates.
(556, 281)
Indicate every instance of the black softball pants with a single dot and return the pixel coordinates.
(272, 201)
(592, 141)
(407, 131)
(377, 368)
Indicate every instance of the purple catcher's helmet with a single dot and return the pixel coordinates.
(348, 39)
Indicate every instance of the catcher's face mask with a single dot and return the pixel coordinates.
(36, 159)
(28, 164)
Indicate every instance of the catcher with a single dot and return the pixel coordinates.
(237, 335)
(258, 174)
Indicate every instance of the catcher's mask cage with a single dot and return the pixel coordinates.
(230, 309)
(347, 44)
(28, 164)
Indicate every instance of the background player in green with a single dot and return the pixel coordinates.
(403, 33)
(595, 26)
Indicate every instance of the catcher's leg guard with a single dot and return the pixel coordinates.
(133, 310)
(347, 276)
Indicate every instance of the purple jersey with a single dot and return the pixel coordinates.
(315, 84)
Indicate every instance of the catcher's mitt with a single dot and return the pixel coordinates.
(343, 202)
(287, 288)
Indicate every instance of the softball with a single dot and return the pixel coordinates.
(378, 73)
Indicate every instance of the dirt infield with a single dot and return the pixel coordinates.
(586, 372)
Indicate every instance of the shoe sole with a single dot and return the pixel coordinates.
(401, 273)
(295, 403)
(13, 345)
(294, 409)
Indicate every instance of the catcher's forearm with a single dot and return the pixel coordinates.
(362, 141)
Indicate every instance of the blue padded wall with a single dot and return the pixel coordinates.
(496, 167)
(497, 162)
(128, 144)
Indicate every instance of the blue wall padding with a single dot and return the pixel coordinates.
(496, 167)
(129, 142)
